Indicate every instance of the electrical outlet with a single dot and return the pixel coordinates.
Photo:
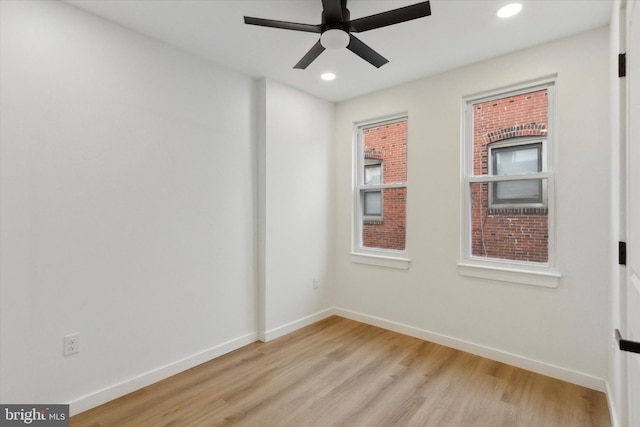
(316, 283)
(71, 344)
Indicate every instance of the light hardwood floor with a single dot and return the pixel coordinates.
(338, 372)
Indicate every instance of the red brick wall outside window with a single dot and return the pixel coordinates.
(388, 143)
(511, 234)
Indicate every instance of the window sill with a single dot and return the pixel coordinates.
(549, 278)
(372, 221)
(380, 260)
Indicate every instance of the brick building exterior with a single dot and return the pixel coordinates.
(519, 234)
(388, 144)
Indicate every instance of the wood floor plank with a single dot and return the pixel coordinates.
(339, 372)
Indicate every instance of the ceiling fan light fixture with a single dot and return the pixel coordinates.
(334, 39)
(509, 10)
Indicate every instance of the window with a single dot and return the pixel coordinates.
(372, 172)
(380, 193)
(508, 229)
(516, 158)
(372, 203)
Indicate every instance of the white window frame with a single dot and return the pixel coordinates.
(359, 253)
(522, 272)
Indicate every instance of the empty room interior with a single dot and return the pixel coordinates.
(321, 212)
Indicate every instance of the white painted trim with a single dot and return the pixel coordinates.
(613, 414)
(295, 325)
(117, 390)
(549, 278)
(380, 260)
(516, 88)
(558, 372)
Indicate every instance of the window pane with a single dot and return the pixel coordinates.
(373, 174)
(517, 161)
(388, 233)
(388, 143)
(518, 234)
(508, 220)
(384, 161)
(500, 120)
(373, 203)
(525, 191)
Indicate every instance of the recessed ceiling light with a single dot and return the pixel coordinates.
(328, 76)
(509, 10)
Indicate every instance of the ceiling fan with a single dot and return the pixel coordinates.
(336, 28)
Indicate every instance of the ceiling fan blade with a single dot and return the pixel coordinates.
(313, 53)
(332, 10)
(391, 17)
(365, 52)
(283, 25)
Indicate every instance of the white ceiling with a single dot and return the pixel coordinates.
(458, 32)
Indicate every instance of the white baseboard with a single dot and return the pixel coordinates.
(295, 325)
(543, 368)
(117, 390)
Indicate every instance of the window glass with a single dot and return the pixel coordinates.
(373, 203)
(515, 160)
(517, 191)
(507, 234)
(373, 174)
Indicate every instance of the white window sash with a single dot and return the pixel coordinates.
(499, 178)
(383, 186)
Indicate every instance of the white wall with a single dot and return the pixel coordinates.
(563, 331)
(296, 206)
(127, 207)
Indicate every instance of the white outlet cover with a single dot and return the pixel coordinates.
(71, 344)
